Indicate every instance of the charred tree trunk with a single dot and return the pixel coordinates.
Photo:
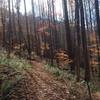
(98, 29)
(78, 45)
(27, 30)
(34, 28)
(3, 30)
(84, 42)
(9, 29)
(68, 34)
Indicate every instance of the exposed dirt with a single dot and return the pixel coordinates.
(47, 87)
(39, 84)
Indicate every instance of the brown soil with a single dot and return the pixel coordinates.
(39, 84)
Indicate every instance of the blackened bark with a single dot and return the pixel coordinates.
(98, 28)
(78, 45)
(68, 34)
(84, 42)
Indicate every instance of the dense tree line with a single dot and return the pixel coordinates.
(71, 38)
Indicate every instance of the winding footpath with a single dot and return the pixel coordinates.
(39, 84)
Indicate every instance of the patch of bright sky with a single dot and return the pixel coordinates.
(58, 7)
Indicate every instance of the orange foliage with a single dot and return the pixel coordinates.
(93, 38)
(18, 46)
(94, 51)
(45, 46)
(62, 57)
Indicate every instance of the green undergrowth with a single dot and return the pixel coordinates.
(60, 74)
(14, 61)
(65, 74)
(95, 86)
(74, 86)
(12, 71)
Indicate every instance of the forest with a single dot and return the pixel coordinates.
(49, 49)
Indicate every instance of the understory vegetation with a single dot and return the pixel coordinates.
(65, 75)
(11, 72)
(59, 37)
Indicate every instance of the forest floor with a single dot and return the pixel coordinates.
(39, 84)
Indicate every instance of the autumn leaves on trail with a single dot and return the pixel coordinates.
(69, 39)
(38, 84)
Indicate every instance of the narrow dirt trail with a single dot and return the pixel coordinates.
(39, 84)
(46, 86)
